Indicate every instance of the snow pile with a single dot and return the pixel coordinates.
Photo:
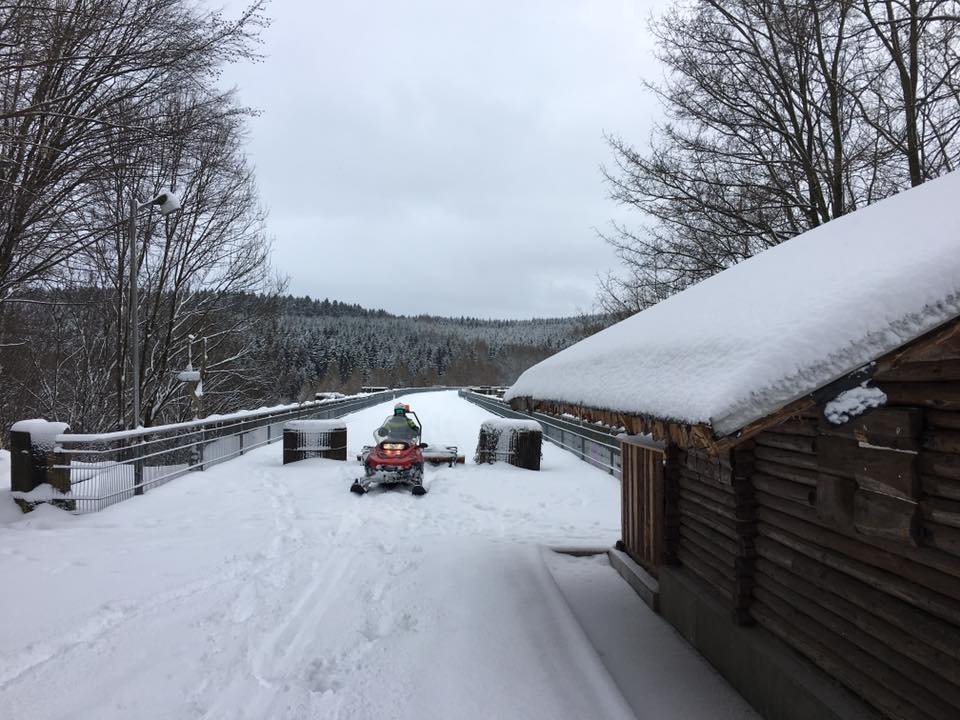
(854, 402)
(315, 426)
(43, 433)
(42, 493)
(500, 424)
(742, 344)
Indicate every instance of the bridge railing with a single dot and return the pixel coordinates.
(595, 444)
(98, 470)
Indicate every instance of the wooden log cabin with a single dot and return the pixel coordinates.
(791, 460)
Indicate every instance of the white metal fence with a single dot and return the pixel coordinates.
(107, 468)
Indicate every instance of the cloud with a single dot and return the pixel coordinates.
(441, 157)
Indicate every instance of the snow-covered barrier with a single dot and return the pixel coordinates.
(304, 439)
(31, 444)
(517, 442)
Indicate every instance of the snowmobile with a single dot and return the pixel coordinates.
(397, 457)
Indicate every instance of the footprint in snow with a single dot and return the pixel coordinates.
(324, 676)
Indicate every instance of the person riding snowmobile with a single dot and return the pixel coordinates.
(399, 425)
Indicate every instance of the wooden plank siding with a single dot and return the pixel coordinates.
(858, 541)
(717, 522)
(643, 503)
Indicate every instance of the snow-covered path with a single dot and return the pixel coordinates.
(255, 590)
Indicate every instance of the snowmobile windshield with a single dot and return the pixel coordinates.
(398, 427)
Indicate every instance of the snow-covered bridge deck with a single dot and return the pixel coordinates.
(256, 590)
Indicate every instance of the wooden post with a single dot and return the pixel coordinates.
(25, 473)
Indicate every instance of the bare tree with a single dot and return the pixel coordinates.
(71, 75)
(781, 118)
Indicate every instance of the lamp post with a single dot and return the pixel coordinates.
(168, 203)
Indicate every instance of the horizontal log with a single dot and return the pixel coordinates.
(943, 419)
(943, 344)
(886, 516)
(939, 396)
(891, 427)
(722, 497)
(899, 639)
(904, 676)
(929, 371)
(943, 605)
(878, 469)
(945, 512)
(936, 633)
(688, 498)
(722, 584)
(714, 555)
(836, 665)
(787, 489)
(798, 425)
(784, 441)
(786, 472)
(705, 517)
(730, 546)
(941, 487)
(941, 537)
(703, 464)
(940, 464)
(786, 457)
(834, 501)
(688, 474)
(909, 697)
(940, 440)
(805, 522)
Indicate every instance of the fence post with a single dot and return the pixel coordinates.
(240, 437)
(138, 466)
(24, 473)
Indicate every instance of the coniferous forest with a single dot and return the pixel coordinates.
(260, 349)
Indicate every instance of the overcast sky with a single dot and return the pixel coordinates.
(429, 156)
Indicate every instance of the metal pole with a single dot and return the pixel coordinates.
(134, 311)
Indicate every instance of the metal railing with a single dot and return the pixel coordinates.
(595, 444)
(103, 469)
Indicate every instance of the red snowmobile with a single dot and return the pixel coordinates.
(397, 458)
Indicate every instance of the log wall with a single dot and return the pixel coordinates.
(716, 522)
(858, 540)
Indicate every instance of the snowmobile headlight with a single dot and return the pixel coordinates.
(394, 446)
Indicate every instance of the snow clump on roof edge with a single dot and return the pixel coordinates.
(741, 344)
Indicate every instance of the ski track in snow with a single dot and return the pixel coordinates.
(256, 590)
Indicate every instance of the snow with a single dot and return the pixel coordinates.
(745, 342)
(43, 433)
(854, 402)
(42, 493)
(188, 376)
(256, 590)
(315, 426)
(501, 424)
(644, 655)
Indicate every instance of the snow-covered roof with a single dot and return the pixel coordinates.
(741, 344)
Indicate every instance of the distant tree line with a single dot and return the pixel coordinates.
(67, 370)
(311, 352)
(781, 115)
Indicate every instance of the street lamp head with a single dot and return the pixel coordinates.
(167, 201)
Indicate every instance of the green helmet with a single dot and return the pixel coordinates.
(399, 409)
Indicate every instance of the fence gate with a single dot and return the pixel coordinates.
(643, 501)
